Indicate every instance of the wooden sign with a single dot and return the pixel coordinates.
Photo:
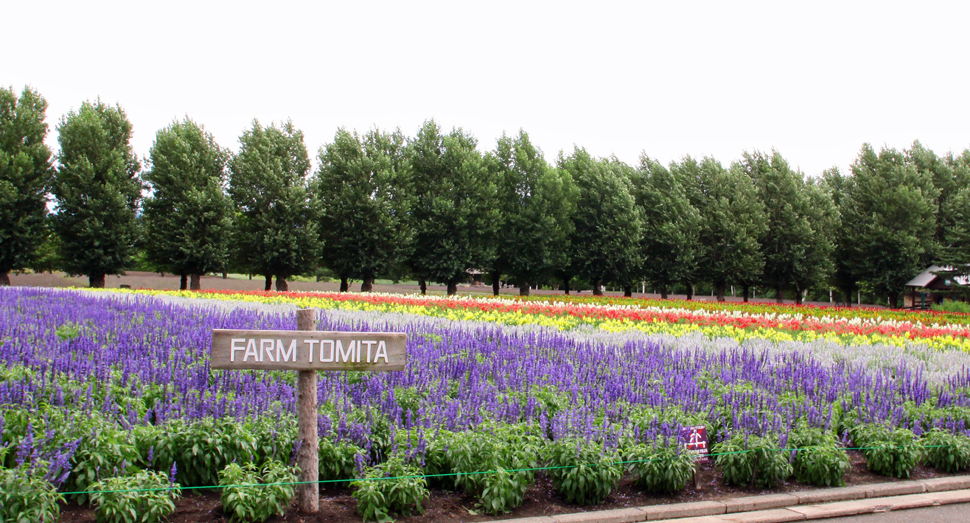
(308, 350)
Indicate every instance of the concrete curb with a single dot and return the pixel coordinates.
(780, 508)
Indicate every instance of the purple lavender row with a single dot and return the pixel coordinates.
(140, 360)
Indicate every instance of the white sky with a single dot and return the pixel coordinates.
(813, 79)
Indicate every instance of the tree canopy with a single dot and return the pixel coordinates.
(276, 230)
(536, 201)
(97, 190)
(26, 174)
(188, 217)
(362, 193)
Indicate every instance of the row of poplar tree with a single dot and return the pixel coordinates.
(435, 207)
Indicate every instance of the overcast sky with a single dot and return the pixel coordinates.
(812, 79)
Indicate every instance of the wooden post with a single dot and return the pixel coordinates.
(307, 495)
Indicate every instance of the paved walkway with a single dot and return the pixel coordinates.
(944, 495)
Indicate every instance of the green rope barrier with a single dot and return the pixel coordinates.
(448, 474)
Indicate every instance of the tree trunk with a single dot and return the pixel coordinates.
(779, 295)
(423, 285)
(627, 291)
(663, 292)
(96, 281)
(744, 292)
(183, 282)
(565, 284)
(496, 283)
(344, 285)
(690, 292)
(269, 282)
(893, 301)
(452, 288)
(195, 282)
(225, 275)
(524, 288)
(4, 279)
(597, 288)
(720, 291)
(281, 285)
(367, 285)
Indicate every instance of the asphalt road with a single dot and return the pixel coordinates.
(958, 513)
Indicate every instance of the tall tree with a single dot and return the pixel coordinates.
(361, 189)
(276, 230)
(26, 174)
(608, 225)
(797, 243)
(837, 186)
(955, 214)
(454, 214)
(188, 217)
(890, 219)
(671, 225)
(536, 201)
(97, 190)
(732, 221)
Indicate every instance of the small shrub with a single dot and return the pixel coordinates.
(254, 494)
(663, 468)
(27, 498)
(819, 460)
(202, 449)
(752, 460)
(889, 453)
(378, 498)
(338, 460)
(106, 453)
(945, 451)
(153, 498)
(585, 473)
(952, 306)
(499, 452)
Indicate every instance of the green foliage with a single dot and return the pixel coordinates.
(671, 225)
(889, 453)
(26, 174)
(952, 306)
(820, 460)
(276, 230)
(484, 463)
(536, 202)
(273, 437)
(97, 191)
(106, 452)
(253, 494)
(664, 467)
(67, 331)
(454, 213)
(362, 192)
(945, 451)
(25, 498)
(146, 496)
(337, 460)
(732, 221)
(585, 473)
(402, 491)
(752, 460)
(201, 448)
(188, 216)
(608, 223)
(889, 206)
(799, 238)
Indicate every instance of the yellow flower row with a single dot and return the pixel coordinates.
(943, 343)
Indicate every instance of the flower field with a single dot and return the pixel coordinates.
(96, 386)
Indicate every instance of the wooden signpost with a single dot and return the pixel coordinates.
(308, 350)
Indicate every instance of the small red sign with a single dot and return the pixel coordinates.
(695, 439)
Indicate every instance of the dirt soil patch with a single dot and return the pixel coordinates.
(338, 506)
